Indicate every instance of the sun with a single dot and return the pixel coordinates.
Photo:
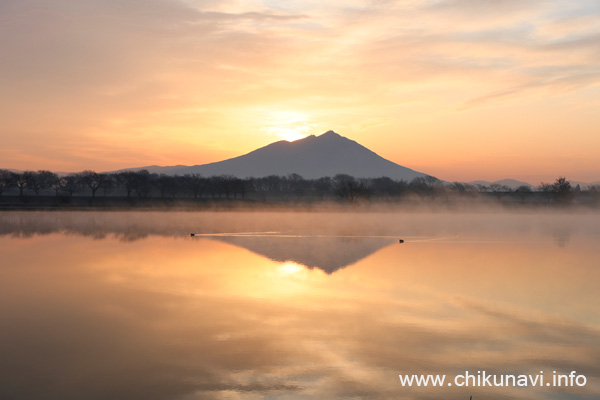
(287, 125)
(290, 268)
(290, 134)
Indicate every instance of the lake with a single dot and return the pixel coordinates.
(291, 305)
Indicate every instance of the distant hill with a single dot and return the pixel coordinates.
(312, 157)
(584, 185)
(513, 184)
(156, 169)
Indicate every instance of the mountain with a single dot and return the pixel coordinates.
(312, 157)
(329, 254)
(155, 169)
(584, 185)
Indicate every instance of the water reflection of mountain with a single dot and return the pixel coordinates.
(327, 242)
(328, 253)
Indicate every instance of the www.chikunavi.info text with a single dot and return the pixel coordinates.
(483, 379)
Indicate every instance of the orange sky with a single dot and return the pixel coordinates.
(459, 89)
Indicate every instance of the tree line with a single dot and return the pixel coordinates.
(143, 184)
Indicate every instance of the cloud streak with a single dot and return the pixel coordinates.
(80, 66)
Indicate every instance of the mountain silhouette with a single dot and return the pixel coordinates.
(312, 157)
(327, 250)
(327, 253)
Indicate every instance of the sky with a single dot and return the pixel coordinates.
(459, 89)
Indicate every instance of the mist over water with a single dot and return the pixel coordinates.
(262, 305)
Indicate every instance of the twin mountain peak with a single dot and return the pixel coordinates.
(313, 157)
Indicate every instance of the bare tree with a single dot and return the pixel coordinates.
(563, 193)
(55, 183)
(143, 183)
(349, 188)
(322, 186)
(594, 191)
(296, 185)
(425, 186)
(45, 180)
(239, 186)
(7, 180)
(128, 180)
(22, 181)
(108, 184)
(196, 184)
(385, 187)
(482, 188)
(92, 180)
(523, 191)
(70, 184)
(499, 190)
(165, 184)
(546, 189)
(226, 185)
(464, 189)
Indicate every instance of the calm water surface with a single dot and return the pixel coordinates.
(295, 305)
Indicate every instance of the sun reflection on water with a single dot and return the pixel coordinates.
(291, 268)
(215, 319)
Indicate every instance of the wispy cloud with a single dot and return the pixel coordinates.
(77, 66)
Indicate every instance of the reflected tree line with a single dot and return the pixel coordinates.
(23, 186)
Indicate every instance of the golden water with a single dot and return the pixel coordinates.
(294, 306)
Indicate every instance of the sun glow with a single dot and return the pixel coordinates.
(290, 268)
(288, 125)
(290, 135)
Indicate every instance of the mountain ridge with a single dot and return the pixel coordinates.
(312, 157)
(318, 160)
